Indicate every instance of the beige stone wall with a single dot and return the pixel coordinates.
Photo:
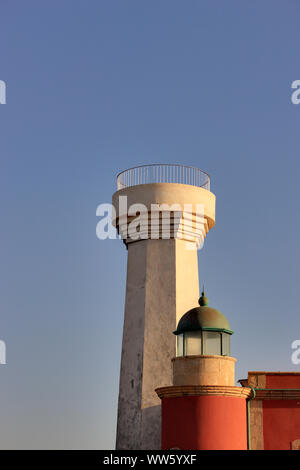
(162, 284)
(186, 278)
(130, 392)
(256, 425)
(256, 380)
(203, 370)
(295, 445)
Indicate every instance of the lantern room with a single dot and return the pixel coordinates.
(203, 331)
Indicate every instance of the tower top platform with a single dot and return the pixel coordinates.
(163, 173)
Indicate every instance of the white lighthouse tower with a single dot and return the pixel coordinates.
(162, 213)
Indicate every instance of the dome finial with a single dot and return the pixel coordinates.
(203, 301)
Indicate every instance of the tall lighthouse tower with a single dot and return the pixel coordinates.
(162, 213)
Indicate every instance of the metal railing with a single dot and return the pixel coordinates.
(163, 173)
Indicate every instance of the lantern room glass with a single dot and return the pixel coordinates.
(212, 343)
(203, 342)
(192, 344)
(225, 344)
(180, 345)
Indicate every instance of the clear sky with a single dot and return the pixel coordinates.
(94, 87)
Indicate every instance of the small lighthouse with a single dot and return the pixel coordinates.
(203, 409)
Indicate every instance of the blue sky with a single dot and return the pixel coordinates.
(99, 86)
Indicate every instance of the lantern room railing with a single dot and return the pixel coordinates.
(163, 173)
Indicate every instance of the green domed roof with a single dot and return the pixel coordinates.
(203, 318)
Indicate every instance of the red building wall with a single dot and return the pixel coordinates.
(288, 380)
(281, 423)
(204, 423)
(281, 418)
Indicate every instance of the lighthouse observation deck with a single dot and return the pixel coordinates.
(163, 173)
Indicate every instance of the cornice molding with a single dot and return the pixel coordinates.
(207, 390)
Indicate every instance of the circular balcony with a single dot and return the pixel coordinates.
(163, 173)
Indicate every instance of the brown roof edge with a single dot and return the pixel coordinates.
(257, 372)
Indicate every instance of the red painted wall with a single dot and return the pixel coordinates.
(281, 423)
(283, 381)
(204, 423)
